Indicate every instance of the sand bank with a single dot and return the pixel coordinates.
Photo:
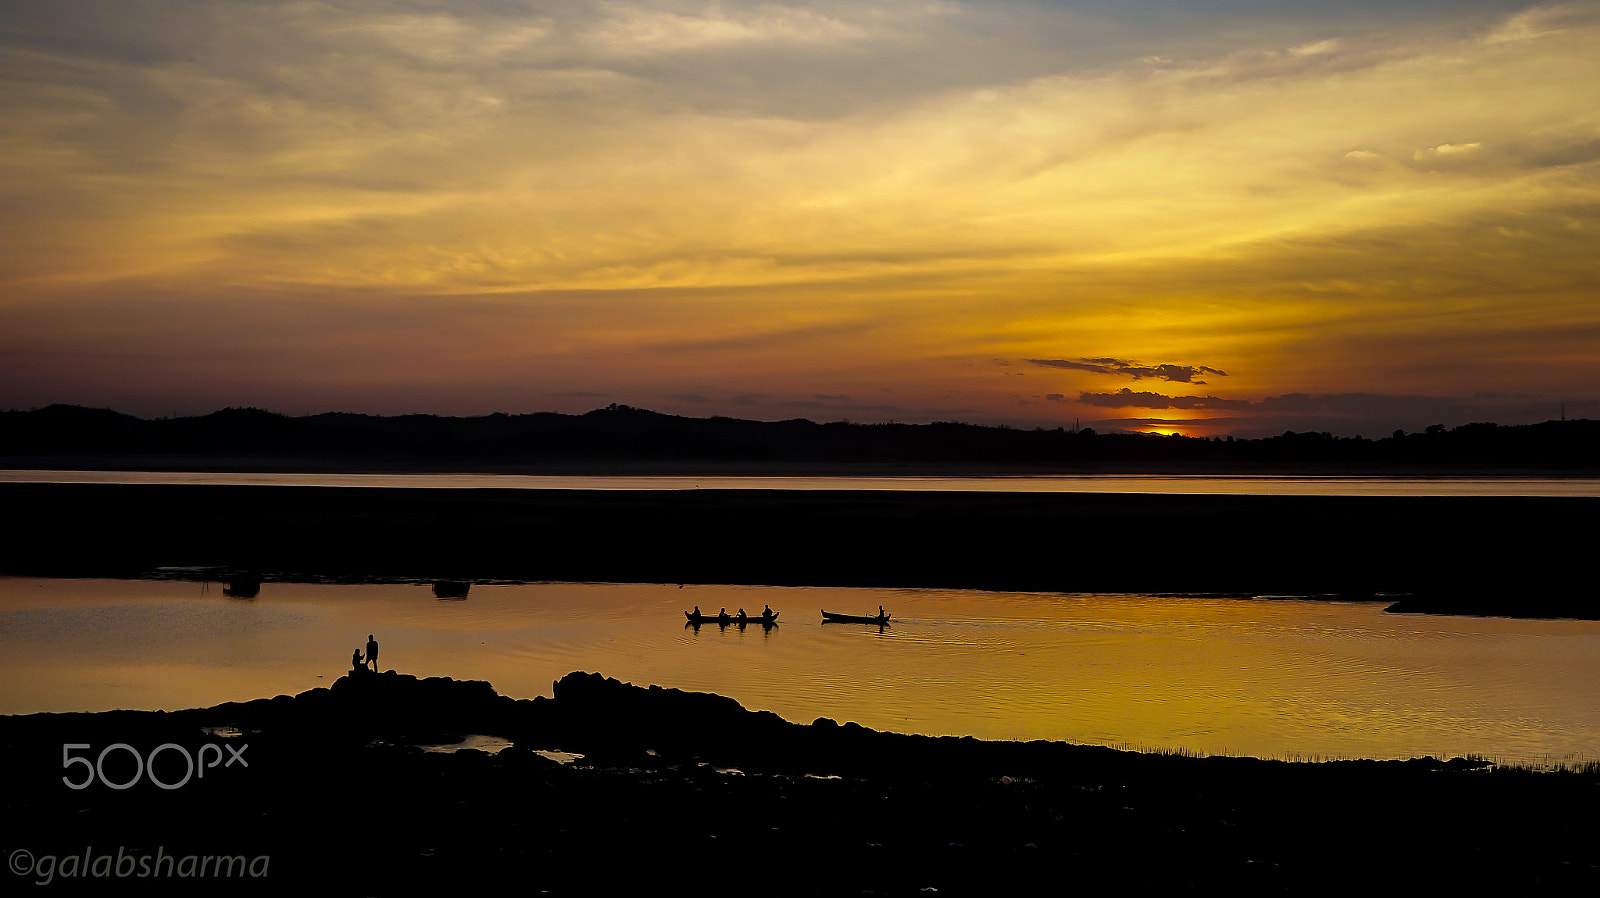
(1507, 555)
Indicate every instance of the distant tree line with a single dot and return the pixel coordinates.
(620, 433)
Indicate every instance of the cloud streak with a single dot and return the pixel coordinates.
(1126, 398)
(1121, 367)
(796, 200)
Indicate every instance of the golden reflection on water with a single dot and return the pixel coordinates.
(1280, 678)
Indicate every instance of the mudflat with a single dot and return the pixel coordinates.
(1479, 554)
(678, 791)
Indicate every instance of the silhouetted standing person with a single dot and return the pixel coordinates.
(372, 652)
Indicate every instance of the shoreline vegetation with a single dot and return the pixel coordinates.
(672, 788)
(1506, 556)
(620, 439)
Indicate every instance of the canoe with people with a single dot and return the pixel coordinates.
(881, 619)
(766, 618)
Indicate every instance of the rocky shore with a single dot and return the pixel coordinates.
(690, 792)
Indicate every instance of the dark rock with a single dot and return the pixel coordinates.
(625, 820)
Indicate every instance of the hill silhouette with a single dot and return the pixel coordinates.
(621, 435)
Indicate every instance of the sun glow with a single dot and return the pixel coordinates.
(625, 203)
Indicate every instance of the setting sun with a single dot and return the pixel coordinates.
(1350, 221)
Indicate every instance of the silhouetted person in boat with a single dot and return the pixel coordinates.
(723, 614)
(767, 612)
(355, 661)
(880, 611)
(742, 614)
(372, 652)
(697, 611)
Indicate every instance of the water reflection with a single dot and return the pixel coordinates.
(1282, 678)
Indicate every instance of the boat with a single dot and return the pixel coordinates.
(708, 618)
(829, 617)
(725, 619)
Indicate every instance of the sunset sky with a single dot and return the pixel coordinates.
(1250, 216)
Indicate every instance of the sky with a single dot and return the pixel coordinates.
(1226, 217)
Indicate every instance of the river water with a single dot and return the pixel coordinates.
(1282, 677)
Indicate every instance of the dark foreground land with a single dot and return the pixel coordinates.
(1515, 556)
(689, 793)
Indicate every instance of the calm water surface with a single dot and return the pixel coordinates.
(1098, 483)
(1274, 678)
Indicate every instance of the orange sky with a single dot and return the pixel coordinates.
(1253, 216)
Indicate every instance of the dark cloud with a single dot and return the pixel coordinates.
(1570, 154)
(1186, 374)
(1126, 398)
